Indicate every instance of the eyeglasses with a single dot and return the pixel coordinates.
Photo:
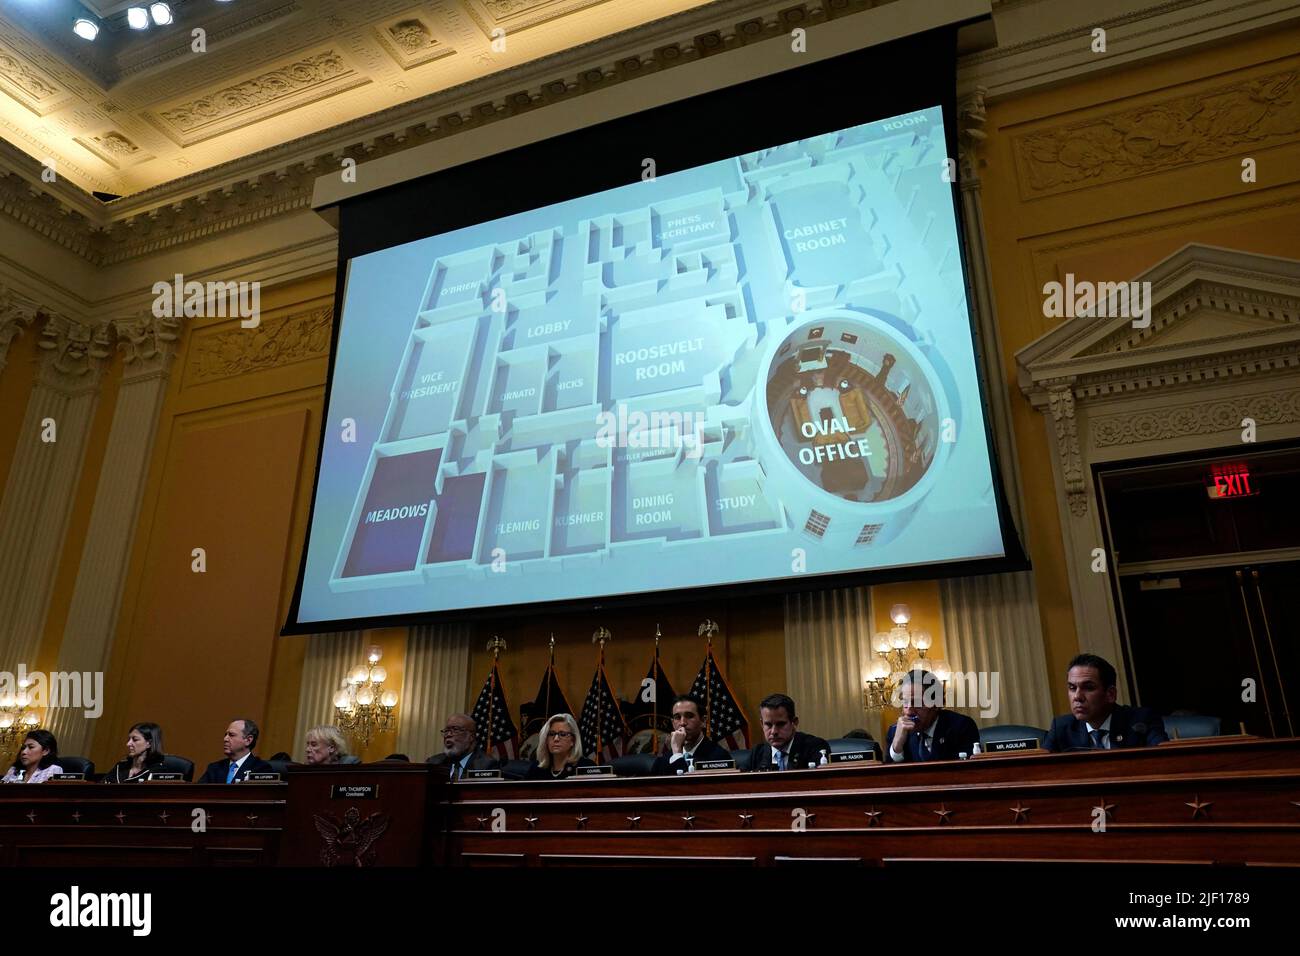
(559, 733)
(455, 730)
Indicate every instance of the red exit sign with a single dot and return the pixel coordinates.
(1229, 481)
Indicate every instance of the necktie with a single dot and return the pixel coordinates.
(455, 770)
(1098, 738)
(780, 759)
(231, 771)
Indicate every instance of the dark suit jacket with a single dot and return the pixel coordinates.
(1129, 727)
(707, 750)
(804, 749)
(953, 733)
(216, 772)
(480, 761)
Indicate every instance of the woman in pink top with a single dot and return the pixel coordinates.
(37, 759)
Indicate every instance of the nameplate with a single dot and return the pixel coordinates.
(262, 777)
(601, 770)
(1010, 746)
(354, 791)
(68, 776)
(705, 766)
(482, 775)
(169, 776)
(857, 756)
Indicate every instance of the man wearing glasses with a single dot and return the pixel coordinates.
(460, 748)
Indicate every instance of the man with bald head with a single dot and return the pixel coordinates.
(460, 748)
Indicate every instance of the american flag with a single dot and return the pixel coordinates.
(613, 728)
(724, 719)
(501, 737)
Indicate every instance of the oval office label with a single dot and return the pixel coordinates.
(602, 770)
(1011, 746)
(354, 791)
(482, 775)
(858, 756)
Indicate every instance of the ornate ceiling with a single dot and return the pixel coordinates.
(137, 109)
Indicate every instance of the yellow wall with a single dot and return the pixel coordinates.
(15, 387)
(1119, 221)
(231, 473)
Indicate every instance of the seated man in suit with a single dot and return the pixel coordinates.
(460, 748)
(1095, 721)
(687, 743)
(786, 748)
(925, 730)
(240, 761)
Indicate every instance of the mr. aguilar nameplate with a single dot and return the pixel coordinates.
(858, 756)
(1011, 746)
(482, 775)
(704, 766)
(603, 770)
(354, 791)
(262, 777)
(167, 777)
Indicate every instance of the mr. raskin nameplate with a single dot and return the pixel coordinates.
(857, 756)
(1011, 746)
(354, 791)
(600, 770)
(482, 775)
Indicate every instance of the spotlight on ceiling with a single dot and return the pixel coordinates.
(137, 18)
(161, 13)
(86, 29)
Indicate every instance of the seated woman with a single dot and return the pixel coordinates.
(37, 760)
(560, 751)
(144, 755)
(325, 745)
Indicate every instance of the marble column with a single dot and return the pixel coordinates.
(38, 494)
(149, 346)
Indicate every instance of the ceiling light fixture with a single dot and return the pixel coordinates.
(137, 18)
(86, 29)
(161, 13)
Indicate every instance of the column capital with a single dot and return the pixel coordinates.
(149, 343)
(971, 137)
(74, 354)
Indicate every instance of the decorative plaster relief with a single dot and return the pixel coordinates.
(276, 342)
(287, 87)
(1125, 144)
(1195, 418)
(521, 14)
(26, 84)
(1061, 401)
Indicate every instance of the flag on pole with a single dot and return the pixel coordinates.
(652, 710)
(724, 719)
(496, 731)
(550, 700)
(604, 731)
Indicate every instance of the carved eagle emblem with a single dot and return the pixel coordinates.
(352, 837)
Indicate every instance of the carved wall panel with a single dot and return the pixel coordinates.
(227, 351)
